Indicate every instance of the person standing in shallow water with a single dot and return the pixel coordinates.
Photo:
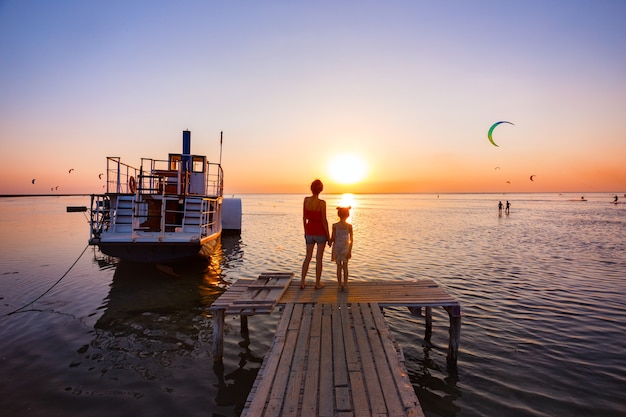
(341, 242)
(315, 232)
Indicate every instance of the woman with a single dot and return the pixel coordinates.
(315, 232)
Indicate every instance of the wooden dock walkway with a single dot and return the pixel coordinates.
(332, 360)
(333, 353)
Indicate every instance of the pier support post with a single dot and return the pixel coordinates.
(455, 332)
(428, 323)
(244, 327)
(218, 335)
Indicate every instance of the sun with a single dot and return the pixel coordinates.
(347, 168)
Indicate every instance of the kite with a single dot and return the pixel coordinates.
(493, 126)
(497, 167)
(33, 180)
(531, 177)
(100, 176)
(70, 171)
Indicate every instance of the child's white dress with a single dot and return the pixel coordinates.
(341, 245)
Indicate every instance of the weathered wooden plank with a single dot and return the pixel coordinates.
(393, 354)
(261, 302)
(279, 385)
(232, 293)
(326, 400)
(340, 372)
(266, 286)
(386, 293)
(352, 358)
(257, 404)
(262, 292)
(339, 354)
(360, 399)
(370, 376)
(296, 377)
(311, 382)
(381, 363)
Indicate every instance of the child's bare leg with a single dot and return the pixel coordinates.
(339, 273)
(345, 274)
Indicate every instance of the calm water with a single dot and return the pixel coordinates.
(542, 290)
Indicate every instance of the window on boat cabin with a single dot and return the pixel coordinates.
(175, 161)
(197, 163)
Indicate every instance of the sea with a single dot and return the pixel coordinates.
(542, 290)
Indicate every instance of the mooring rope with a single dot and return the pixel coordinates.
(53, 285)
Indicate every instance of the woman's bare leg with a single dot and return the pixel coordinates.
(318, 265)
(305, 264)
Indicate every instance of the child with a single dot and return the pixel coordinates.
(341, 241)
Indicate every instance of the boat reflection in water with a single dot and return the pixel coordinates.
(157, 329)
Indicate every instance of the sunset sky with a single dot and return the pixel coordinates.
(409, 88)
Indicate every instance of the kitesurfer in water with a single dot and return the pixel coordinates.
(615, 199)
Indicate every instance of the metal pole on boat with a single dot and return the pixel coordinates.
(221, 137)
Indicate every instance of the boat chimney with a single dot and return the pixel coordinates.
(186, 149)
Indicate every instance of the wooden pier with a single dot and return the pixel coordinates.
(333, 353)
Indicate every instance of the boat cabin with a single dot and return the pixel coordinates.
(185, 174)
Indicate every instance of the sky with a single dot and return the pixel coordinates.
(408, 88)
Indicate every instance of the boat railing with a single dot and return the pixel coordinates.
(158, 177)
(210, 220)
(121, 177)
(172, 213)
(214, 179)
(100, 216)
(162, 177)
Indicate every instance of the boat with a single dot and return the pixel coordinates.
(164, 211)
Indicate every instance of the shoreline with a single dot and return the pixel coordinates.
(43, 195)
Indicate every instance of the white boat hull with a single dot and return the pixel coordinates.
(159, 251)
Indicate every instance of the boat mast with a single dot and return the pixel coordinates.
(221, 137)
